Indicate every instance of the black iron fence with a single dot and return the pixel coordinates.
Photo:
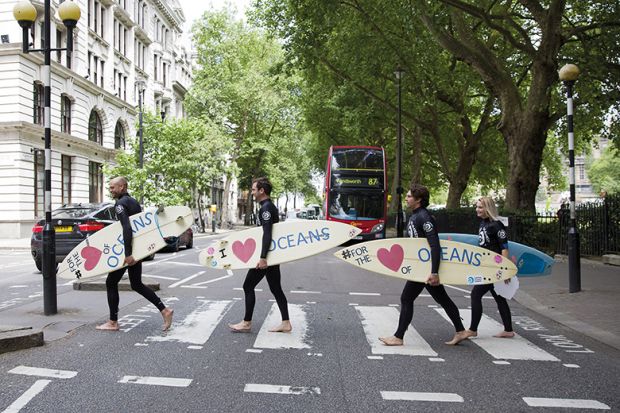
(598, 224)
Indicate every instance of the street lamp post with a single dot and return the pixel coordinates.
(26, 14)
(399, 158)
(568, 75)
(140, 88)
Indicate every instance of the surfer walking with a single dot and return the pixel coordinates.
(267, 216)
(422, 225)
(125, 207)
(492, 236)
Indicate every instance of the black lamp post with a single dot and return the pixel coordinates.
(399, 158)
(568, 75)
(25, 14)
(140, 88)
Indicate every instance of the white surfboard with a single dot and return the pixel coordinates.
(104, 251)
(291, 240)
(410, 259)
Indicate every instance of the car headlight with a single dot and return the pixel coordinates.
(377, 228)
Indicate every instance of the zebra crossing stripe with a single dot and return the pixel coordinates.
(41, 372)
(381, 321)
(565, 403)
(516, 348)
(30, 394)
(424, 397)
(276, 389)
(198, 326)
(156, 381)
(295, 339)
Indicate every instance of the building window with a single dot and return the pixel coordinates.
(66, 179)
(95, 182)
(58, 46)
(119, 136)
(582, 171)
(65, 114)
(101, 74)
(39, 183)
(38, 104)
(95, 129)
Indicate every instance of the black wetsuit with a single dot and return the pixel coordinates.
(267, 216)
(492, 236)
(125, 207)
(422, 225)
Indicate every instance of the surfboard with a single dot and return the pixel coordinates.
(291, 240)
(410, 259)
(529, 261)
(104, 251)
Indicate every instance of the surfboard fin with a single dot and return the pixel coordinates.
(227, 267)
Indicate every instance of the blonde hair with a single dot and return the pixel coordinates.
(489, 207)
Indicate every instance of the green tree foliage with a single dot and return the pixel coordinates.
(604, 173)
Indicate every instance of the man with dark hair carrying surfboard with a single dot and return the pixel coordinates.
(267, 216)
(125, 207)
(422, 225)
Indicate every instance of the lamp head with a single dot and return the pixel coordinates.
(25, 13)
(69, 13)
(569, 72)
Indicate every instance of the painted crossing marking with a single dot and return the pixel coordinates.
(276, 389)
(295, 339)
(156, 381)
(565, 403)
(198, 326)
(160, 277)
(423, 397)
(516, 348)
(381, 322)
(365, 294)
(28, 395)
(183, 281)
(212, 281)
(304, 292)
(41, 372)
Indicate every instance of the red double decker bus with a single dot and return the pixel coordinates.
(355, 189)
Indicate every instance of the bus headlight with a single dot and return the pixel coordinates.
(377, 228)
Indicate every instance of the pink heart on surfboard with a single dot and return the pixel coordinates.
(244, 250)
(91, 256)
(392, 258)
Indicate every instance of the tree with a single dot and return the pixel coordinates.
(604, 173)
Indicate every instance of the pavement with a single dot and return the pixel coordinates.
(591, 311)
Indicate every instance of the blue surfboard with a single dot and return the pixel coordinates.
(529, 261)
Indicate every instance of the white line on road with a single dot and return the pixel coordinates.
(271, 388)
(436, 359)
(572, 366)
(214, 280)
(458, 289)
(374, 357)
(304, 292)
(156, 381)
(254, 350)
(183, 281)
(41, 372)
(195, 286)
(189, 264)
(241, 289)
(370, 294)
(565, 403)
(23, 400)
(160, 277)
(380, 322)
(424, 397)
(501, 362)
(294, 339)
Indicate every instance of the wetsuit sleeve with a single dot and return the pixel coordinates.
(430, 231)
(499, 231)
(267, 223)
(123, 217)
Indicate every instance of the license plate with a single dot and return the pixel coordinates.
(63, 229)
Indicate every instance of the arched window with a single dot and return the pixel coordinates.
(95, 129)
(119, 136)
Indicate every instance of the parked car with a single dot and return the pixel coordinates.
(72, 224)
(185, 239)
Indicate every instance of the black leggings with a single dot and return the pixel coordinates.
(476, 306)
(410, 293)
(252, 279)
(135, 279)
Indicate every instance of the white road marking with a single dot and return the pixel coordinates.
(516, 348)
(213, 280)
(353, 304)
(565, 403)
(189, 264)
(160, 277)
(195, 286)
(183, 281)
(425, 397)
(241, 289)
(41, 372)
(501, 362)
(304, 292)
(572, 366)
(141, 345)
(275, 389)
(436, 359)
(457, 288)
(369, 294)
(295, 339)
(254, 350)
(30, 394)
(18, 286)
(195, 347)
(374, 357)
(156, 381)
(381, 322)
(393, 305)
(198, 326)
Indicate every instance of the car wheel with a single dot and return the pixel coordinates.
(190, 243)
(38, 264)
(175, 246)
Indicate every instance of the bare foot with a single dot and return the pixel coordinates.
(505, 334)
(391, 341)
(471, 333)
(167, 314)
(284, 327)
(108, 326)
(458, 337)
(241, 327)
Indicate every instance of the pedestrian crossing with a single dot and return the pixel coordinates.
(196, 328)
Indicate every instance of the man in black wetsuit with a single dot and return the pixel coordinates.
(127, 206)
(422, 225)
(267, 216)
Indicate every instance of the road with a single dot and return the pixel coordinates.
(331, 362)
